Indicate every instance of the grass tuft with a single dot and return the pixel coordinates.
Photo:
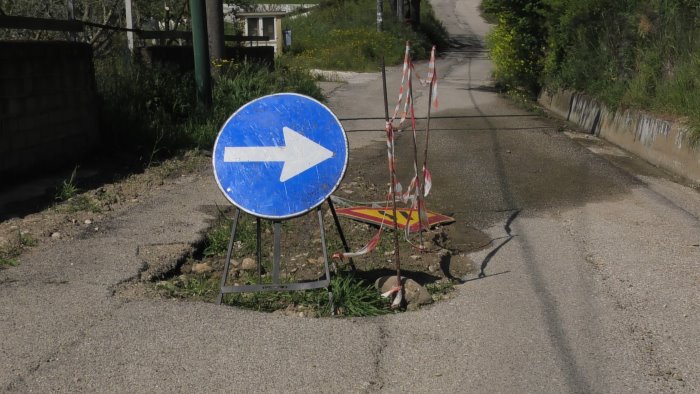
(67, 189)
(9, 262)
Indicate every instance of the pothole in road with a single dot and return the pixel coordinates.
(194, 272)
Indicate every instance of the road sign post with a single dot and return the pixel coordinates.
(279, 157)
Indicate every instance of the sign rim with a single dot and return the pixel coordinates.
(295, 214)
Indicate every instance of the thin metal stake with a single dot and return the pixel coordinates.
(392, 179)
(229, 251)
(419, 192)
(425, 156)
(340, 233)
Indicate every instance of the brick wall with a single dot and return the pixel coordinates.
(48, 116)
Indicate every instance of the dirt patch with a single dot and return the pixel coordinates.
(83, 213)
(194, 271)
(196, 276)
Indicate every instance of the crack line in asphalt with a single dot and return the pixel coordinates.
(53, 356)
(377, 383)
(571, 371)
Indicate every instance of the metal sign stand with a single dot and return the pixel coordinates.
(276, 284)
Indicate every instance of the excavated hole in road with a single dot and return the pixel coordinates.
(193, 272)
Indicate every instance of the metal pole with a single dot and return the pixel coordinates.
(129, 25)
(380, 10)
(392, 180)
(202, 73)
(425, 152)
(215, 28)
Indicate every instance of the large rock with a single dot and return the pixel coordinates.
(249, 264)
(201, 268)
(414, 293)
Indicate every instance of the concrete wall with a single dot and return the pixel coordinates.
(48, 116)
(658, 141)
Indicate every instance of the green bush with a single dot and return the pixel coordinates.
(630, 53)
(141, 107)
(152, 110)
(517, 43)
(342, 35)
(237, 85)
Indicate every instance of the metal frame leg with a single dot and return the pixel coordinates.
(276, 285)
(325, 259)
(229, 251)
(276, 253)
(258, 247)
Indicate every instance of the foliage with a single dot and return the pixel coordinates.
(145, 13)
(630, 53)
(240, 83)
(517, 43)
(440, 288)
(8, 262)
(342, 35)
(217, 238)
(152, 110)
(352, 297)
(10, 250)
(26, 240)
(142, 107)
(67, 189)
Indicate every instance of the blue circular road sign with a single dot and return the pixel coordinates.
(280, 156)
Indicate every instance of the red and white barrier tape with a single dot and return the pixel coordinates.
(404, 105)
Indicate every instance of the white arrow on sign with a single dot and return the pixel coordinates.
(298, 154)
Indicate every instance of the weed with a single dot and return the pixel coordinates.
(8, 262)
(168, 287)
(67, 189)
(525, 101)
(199, 286)
(216, 239)
(26, 240)
(83, 203)
(440, 288)
(352, 297)
(202, 286)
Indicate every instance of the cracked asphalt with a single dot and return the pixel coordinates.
(591, 281)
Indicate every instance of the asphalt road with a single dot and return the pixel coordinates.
(591, 281)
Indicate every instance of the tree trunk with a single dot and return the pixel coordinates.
(215, 29)
(415, 14)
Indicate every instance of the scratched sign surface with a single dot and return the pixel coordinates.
(280, 156)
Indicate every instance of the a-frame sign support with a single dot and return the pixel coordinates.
(277, 284)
